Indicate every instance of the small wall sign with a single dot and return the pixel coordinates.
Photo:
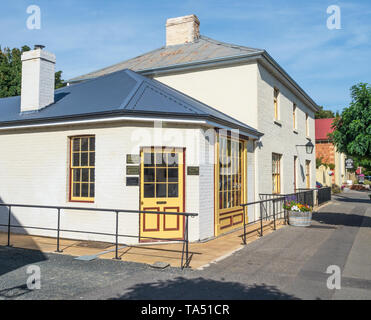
(193, 171)
(349, 163)
(132, 158)
(132, 181)
(132, 170)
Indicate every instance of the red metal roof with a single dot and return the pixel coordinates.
(323, 127)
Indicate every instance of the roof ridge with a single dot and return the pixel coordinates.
(230, 45)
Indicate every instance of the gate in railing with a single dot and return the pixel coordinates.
(185, 259)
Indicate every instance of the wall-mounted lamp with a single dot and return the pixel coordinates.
(309, 146)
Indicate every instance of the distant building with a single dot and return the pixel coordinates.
(326, 150)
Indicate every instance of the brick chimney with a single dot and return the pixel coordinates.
(38, 78)
(182, 30)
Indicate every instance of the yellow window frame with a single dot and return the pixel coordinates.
(276, 173)
(294, 115)
(275, 101)
(307, 173)
(77, 171)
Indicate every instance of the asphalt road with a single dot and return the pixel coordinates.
(290, 263)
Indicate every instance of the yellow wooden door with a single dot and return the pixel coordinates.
(161, 189)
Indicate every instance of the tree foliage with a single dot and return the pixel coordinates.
(11, 72)
(352, 130)
(324, 114)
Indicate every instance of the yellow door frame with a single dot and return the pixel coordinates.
(160, 226)
(229, 213)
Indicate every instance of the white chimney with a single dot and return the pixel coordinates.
(182, 30)
(38, 78)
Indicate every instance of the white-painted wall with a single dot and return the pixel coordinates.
(229, 89)
(280, 137)
(245, 92)
(34, 169)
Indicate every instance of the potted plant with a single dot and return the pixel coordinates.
(300, 215)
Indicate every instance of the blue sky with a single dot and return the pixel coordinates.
(87, 35)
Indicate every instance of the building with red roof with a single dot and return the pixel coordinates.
(326, 150)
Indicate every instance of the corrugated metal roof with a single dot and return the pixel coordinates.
(123, 92)
(323, 128)
(202, 49)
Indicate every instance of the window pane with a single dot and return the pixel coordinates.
(172, 175)
(92, 190)
(84, 189)
(161, 190)
(149, 175)
(161, 175)
(84, 159)
(85, 175)
(172, 159)
(149, 190)
(172, 190)
(160, 161)
(91, 159)
(76, 159)
(148, 159)
(84, 144)
(92, 144)
(76, 144)
(92, 175)
(76, 189)
(76, 175)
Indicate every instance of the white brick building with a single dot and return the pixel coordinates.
(115, 111)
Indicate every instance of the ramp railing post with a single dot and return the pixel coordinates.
(9, 216)
(244, 224)
(58, 230)
(274, 214)
(187, 241)
(261, 219)
(117, 237)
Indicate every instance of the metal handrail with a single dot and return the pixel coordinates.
(185, 240)
(261, 203)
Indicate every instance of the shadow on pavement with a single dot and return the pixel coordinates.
(342, 219)
(15, 292)
(352, 200)
(201, 288)
(12, 258)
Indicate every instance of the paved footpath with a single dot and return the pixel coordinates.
(290, 263)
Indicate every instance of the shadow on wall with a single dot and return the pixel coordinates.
(200, 288)
(12, 258)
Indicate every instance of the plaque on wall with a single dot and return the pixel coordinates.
(132, 181)
(193, 171)
(132, 170)
(132, 158)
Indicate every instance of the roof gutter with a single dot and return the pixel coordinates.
(206, 121)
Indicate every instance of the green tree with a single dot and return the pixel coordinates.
(352, 130)
(323, 114)
(11, 72)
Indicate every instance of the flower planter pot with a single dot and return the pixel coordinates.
(300, 219)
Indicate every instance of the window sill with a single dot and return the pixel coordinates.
(81, 201)
(278, 123)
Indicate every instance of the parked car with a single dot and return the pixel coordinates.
(318, 184)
